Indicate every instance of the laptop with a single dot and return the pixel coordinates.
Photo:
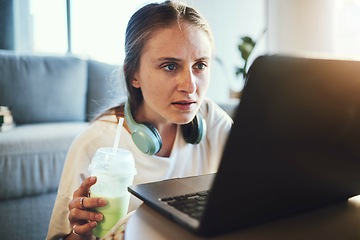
(294, 147)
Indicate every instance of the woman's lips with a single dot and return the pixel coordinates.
(184, 105)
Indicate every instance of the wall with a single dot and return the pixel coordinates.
(306, 26)
(325, 28)
(229, 20)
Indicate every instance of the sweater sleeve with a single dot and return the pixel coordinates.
(75, 170)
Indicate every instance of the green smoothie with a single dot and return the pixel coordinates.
(115, 209)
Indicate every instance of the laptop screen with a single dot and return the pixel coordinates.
(295, 144)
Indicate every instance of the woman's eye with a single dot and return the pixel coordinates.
(200, 66)
(170, 67)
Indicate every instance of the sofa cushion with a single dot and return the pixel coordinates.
(32, 157)
(40, 88)
(106, 87)
(26, 218)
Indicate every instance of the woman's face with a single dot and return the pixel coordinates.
(174, 74)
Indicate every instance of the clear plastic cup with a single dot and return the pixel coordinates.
(115, 171)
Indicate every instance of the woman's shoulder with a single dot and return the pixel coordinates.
(213, 112)
(117, 111)
(97, 130)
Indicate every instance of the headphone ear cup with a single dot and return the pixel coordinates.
(194, 131)
(144, 135)
(147, 138)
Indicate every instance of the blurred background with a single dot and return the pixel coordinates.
(95, 29)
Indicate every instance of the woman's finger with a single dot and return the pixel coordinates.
(84, 229)
(87, 203)
(79, 216)
(84, 188)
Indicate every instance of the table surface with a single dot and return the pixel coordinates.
(341, 221)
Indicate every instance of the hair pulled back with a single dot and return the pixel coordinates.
(141, 25)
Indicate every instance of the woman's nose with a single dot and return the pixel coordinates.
(187, 82)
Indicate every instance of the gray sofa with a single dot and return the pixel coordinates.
(52, 99)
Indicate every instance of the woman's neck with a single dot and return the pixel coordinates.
(168, 135)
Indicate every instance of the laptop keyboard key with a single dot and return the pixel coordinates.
(191, 204)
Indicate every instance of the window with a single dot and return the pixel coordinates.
(97, 27)
(48, 26)
(348, 28)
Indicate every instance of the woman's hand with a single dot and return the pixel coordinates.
(81, 216)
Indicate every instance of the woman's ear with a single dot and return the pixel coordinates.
(135, 83)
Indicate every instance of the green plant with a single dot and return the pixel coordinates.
(246, 47)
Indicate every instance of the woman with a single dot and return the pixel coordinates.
(169, 49)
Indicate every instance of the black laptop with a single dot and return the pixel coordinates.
(294, 147)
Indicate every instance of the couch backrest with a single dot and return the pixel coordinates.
(43, 88)
(106, 87)
(49, 88)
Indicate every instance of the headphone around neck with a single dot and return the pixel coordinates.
(147, 138)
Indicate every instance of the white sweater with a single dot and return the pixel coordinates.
(185, 159)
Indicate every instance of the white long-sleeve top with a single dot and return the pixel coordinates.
(185, 159)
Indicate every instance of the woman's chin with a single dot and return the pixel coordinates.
(184, 119)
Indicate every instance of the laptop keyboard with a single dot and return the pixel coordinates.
(191, 204)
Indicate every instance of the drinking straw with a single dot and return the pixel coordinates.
(118, 133)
